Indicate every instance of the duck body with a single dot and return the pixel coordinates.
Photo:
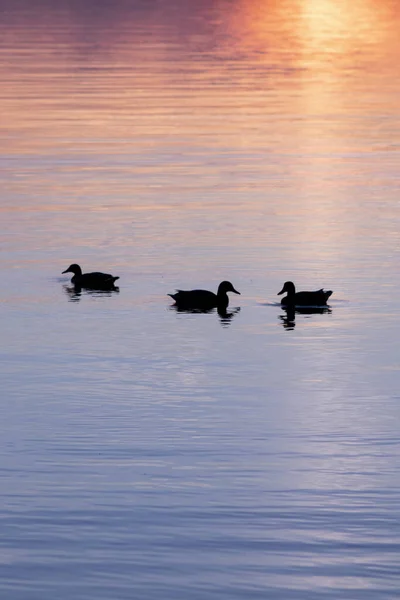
(204, 299)
(293, 298)
(95, 280)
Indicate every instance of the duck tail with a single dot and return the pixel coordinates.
(328, 293)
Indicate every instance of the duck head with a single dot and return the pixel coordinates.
(226, 286)
(74, 268)
(288, 287)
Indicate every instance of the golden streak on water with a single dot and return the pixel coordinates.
(276, 91)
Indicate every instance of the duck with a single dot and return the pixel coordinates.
(90, 280)
(293, 298)
(204, 299)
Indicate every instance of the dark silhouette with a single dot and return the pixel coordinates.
(293, 298)
(95, 281)
(203, 300)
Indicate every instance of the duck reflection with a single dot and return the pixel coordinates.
(225, 316)
(75, 293)
(288, 320)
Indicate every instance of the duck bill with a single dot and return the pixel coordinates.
(283, 290)
(66, 271)
(236, 292)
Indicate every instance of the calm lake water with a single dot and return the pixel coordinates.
(151, 454)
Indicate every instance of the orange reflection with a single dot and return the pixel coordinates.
(264, 59)
(259, 94)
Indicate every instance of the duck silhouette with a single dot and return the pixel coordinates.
(293, 298)
(95, 280)
(204, 299)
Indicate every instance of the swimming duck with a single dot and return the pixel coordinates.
(203, 299)
(94, 280)
(293, 298)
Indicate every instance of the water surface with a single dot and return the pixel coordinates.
(150, 453)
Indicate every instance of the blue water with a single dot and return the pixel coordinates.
(150, 453)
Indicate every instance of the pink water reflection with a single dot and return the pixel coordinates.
(262, 122)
